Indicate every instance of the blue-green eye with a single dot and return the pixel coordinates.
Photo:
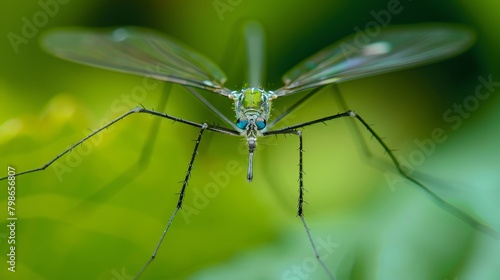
(260, 123)
(241, 123)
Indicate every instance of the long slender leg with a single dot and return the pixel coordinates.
(301, 174)
(300, 209)
(370, 158)
(43, 167)
(434, 197)
(268, 172)
(301, 202)
(316, 254)
(179, 202)
(135, 110)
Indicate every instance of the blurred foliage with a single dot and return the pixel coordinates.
(102, 217)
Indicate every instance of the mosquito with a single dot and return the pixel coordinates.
(145, 52)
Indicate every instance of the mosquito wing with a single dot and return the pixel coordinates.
(360, 55)
(137, 51)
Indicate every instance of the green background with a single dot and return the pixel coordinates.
(102, 218)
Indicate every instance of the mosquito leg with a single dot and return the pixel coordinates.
(369, 157)
(267, 173)
(135, 110)
(179, 202)
(434, 197)
(300, 209)
(308, 231)
(75, 145)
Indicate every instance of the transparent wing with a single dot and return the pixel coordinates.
(137, 51)
(361, 55)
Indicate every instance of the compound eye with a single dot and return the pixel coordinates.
(241, 123)
(260, 123)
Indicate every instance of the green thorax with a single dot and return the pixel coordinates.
(252, 101)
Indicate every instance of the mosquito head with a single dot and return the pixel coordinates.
(252, 107)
